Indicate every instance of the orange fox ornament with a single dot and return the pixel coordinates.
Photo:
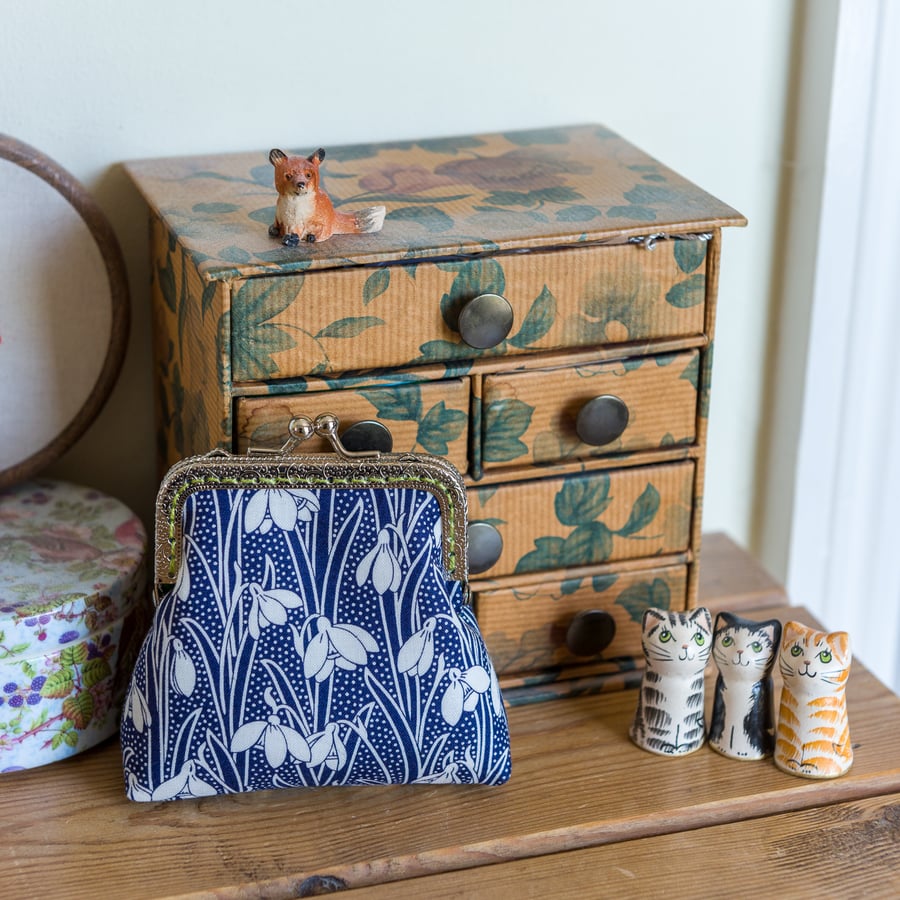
(304, 212)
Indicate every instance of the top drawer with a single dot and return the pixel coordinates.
(338, 320)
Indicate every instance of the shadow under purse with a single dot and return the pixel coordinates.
(312, 629)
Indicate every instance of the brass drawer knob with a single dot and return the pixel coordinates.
(601, 420)
(485, 546)
(590, 632)
(367, 435)
(485, 321)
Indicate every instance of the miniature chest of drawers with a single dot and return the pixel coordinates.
(538, 307)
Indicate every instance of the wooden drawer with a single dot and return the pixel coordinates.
(339, 320)
(530, 417)
(525, 627)
(423, 416)
(587, 519)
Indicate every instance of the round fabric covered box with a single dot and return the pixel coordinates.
(73, 608)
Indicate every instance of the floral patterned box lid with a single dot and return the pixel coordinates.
(451, 196)
(70, 558)
(72, 597)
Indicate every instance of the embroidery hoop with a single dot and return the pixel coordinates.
(24, 455)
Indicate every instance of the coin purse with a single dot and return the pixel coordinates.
(312, 628)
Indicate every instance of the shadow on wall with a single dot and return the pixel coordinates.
(116, 454)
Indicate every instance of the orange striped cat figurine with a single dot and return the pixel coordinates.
(812, 737)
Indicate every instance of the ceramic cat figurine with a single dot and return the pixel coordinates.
(743, 716)
(670, 718)
(812, 737)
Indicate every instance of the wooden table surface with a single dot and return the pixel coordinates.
(585, 813)
(850, 849)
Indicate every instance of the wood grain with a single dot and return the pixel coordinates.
(731, 579)
(67, 830)
(788, 855)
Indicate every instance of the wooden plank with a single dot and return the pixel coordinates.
(577, 782)
(848, 849)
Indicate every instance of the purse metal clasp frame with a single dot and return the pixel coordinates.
(302, 428)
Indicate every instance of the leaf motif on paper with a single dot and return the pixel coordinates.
(402, 403)
(505, 421)
(588, 544)
(349, 327)
(473, 277)
(538, 321)
(688, 293)
(376, 284)
(440, 427)
(582, 499)
(428, 216)
(643, 512)
(255, 339)
(640, 596)
(689, 255)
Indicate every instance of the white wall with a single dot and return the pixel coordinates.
(844, 531)
(793, 284)
(703, 85)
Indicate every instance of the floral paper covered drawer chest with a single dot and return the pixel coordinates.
(538, 307)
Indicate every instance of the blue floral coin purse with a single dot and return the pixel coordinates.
(312, 628)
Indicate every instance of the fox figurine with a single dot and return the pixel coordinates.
(304, 212)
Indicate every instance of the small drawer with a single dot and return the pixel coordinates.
(428, 416)
(544, 416)
(576, 621)
(580, 520)
(333, 321)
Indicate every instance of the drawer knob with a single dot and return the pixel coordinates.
(485, 546)
(601, 420)
(485, 321)
(367, 435)
(590, 632)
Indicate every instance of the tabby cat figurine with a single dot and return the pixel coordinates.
(743, 716)
(669, 719)
(812, 737)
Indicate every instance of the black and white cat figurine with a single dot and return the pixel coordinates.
(742, 721)
(670, 717)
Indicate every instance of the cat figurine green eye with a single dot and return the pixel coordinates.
(743, 716)
(669, 719)
(812, 737)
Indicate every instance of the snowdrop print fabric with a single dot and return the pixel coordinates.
(312, 637)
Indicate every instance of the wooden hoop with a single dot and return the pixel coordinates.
(27, 157)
